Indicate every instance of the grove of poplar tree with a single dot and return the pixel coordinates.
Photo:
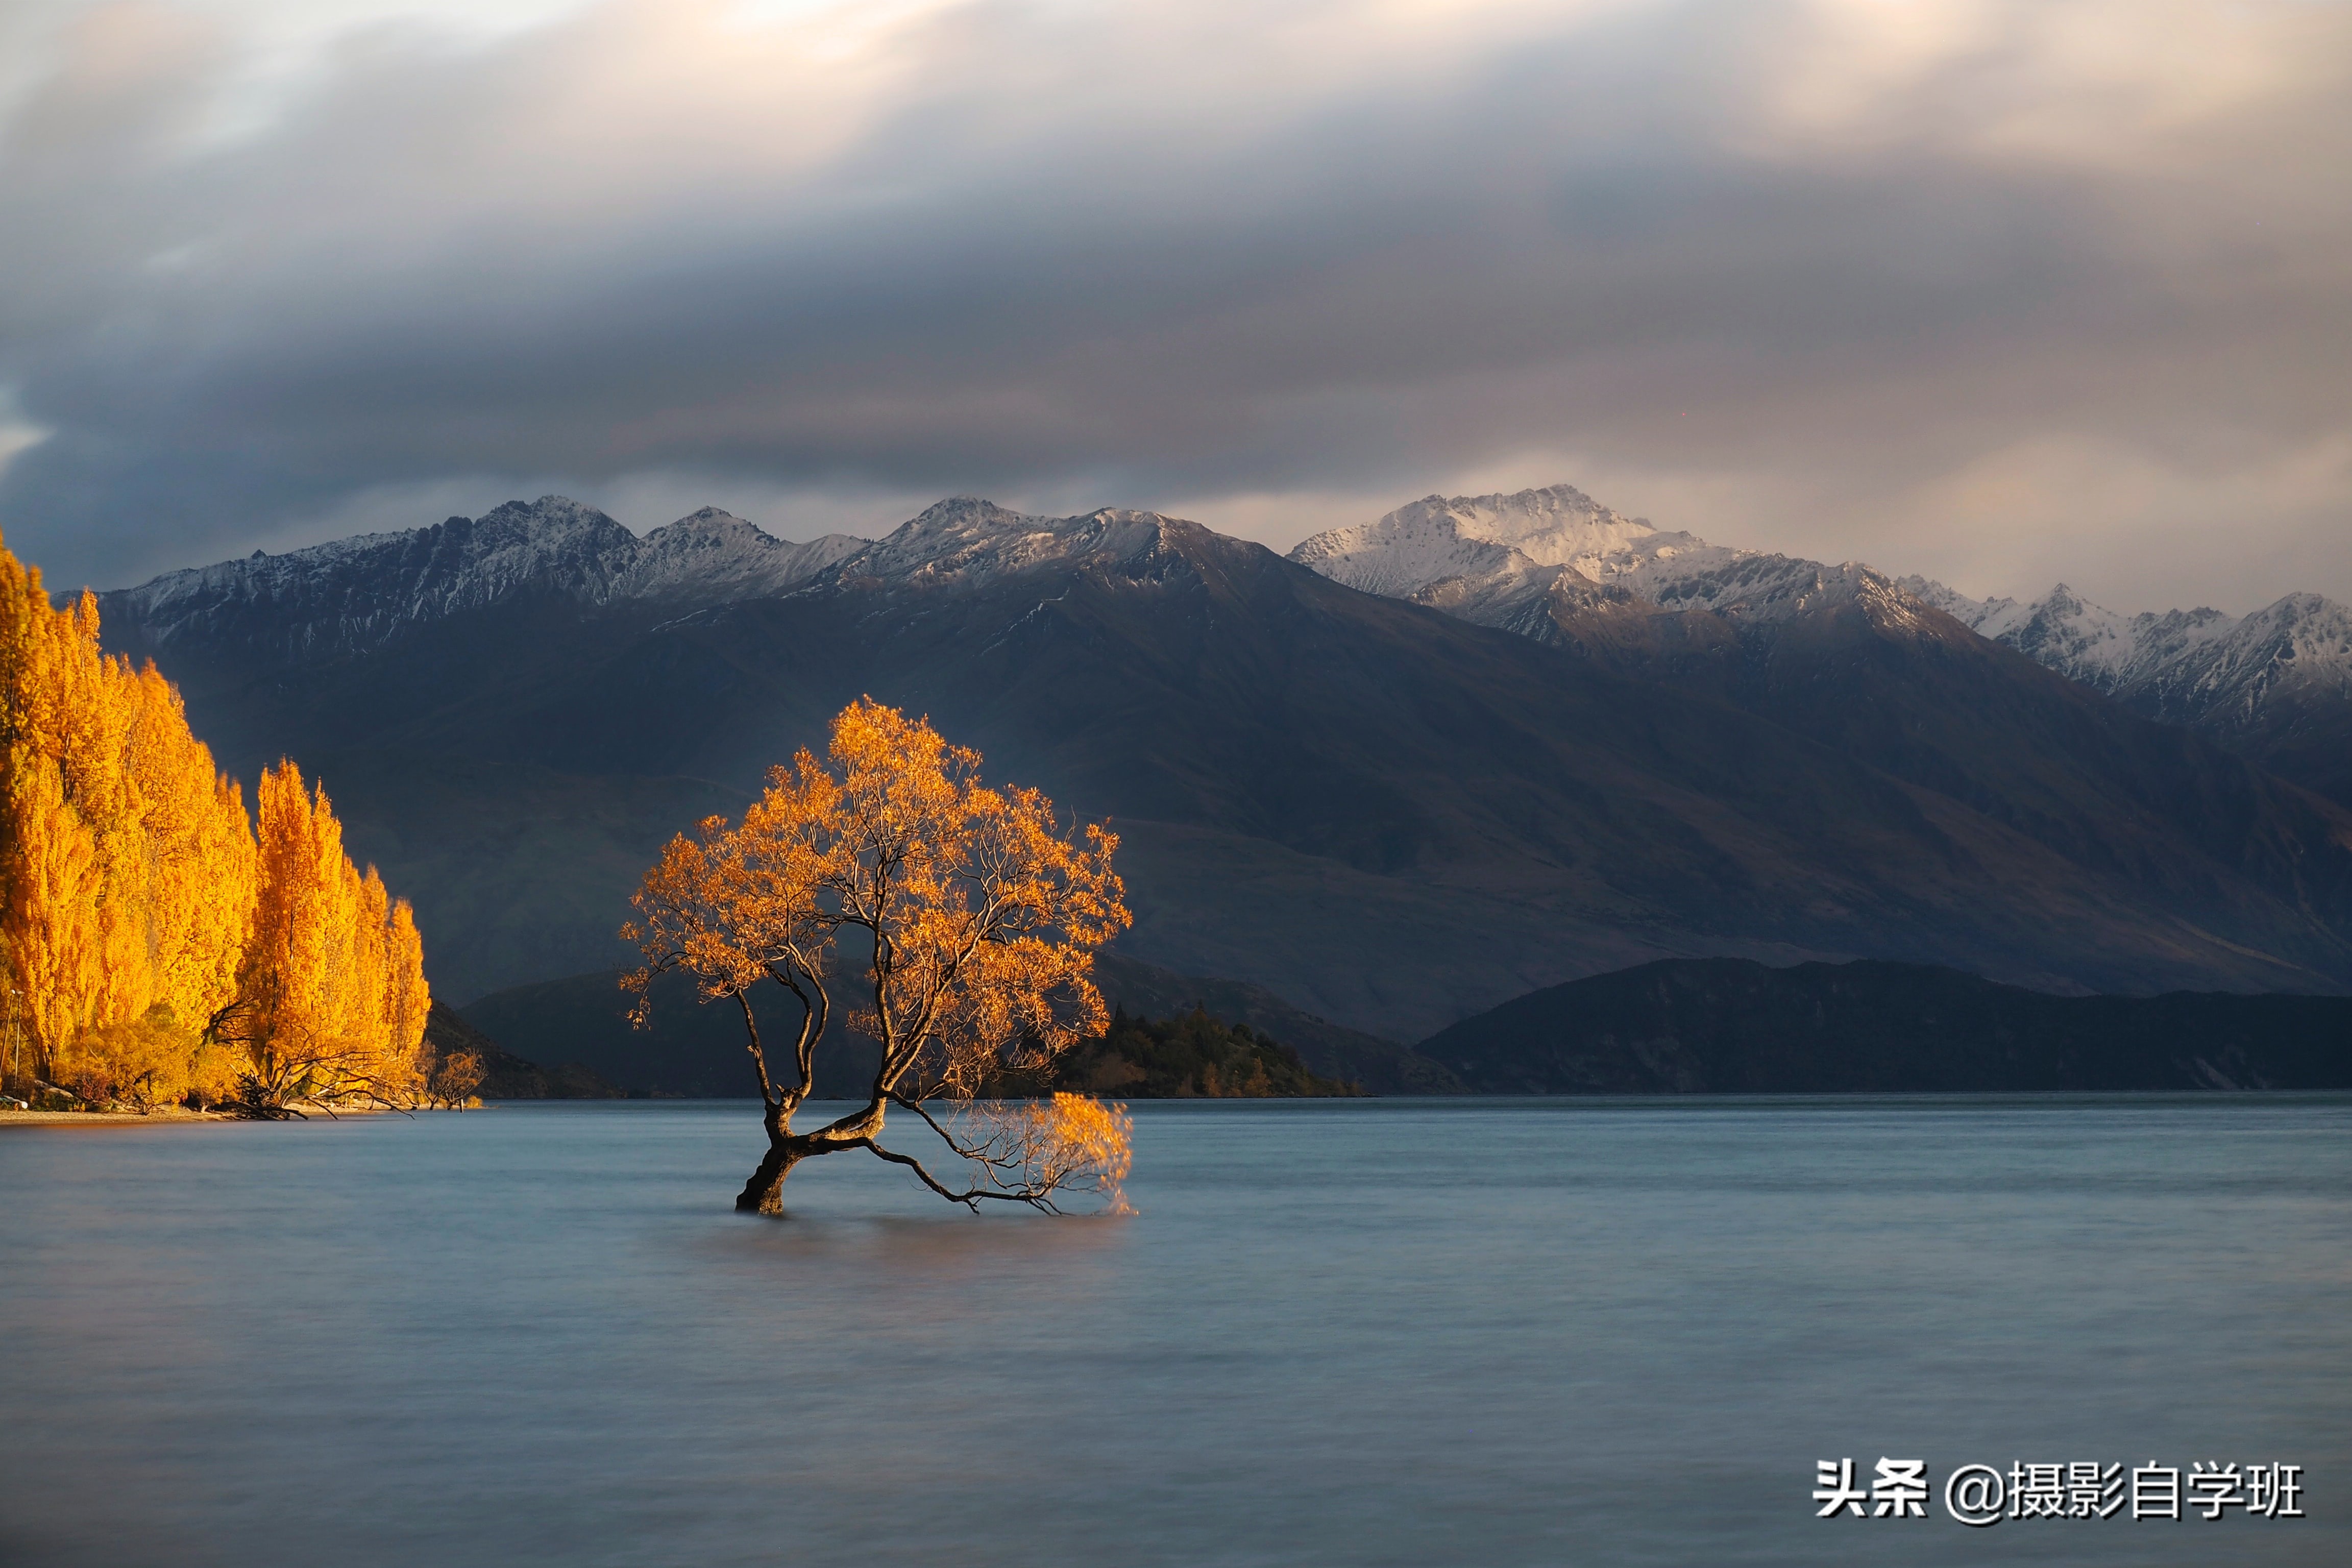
(157, 944)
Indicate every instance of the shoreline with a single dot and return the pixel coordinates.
(106, 1117)
(175, 1117)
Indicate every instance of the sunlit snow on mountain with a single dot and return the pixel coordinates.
(1554, 564)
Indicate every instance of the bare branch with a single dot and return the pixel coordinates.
(768, 1096)
(970, 1197)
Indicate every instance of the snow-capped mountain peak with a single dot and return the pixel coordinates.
(714, 553)
(2252, 681)
(360, 593)
(1753, 588)
(1485, 541)
(965, 540)
(2088, 641)
(1555, 565)
(1498, 559)
(2082, 640)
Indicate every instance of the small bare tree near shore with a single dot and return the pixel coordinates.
(978, 917)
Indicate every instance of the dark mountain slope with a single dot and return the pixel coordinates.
(1879, 671)
(1388, 814)
(690, 1051)
(1202, 684)
(506, 1075)
(1882, 678)
(2274, 686)
(1726, 1027)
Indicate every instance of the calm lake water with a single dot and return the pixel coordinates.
(1411, 1332)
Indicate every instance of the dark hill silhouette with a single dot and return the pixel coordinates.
(696, 1050)
(1723, 1026)
(506, 1075)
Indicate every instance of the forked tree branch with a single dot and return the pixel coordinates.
(916, 1107)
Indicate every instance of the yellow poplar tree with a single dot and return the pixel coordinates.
(128, 894)
(406, 998)
(200, 858)
(150, 946)
(54, 941)
(332, 988)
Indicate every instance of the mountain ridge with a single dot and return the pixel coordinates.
(1388, 814)
(2274, 686)
(334, 594)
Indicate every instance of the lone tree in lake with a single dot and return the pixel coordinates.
(976, 918)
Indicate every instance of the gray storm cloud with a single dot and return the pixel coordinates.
(2001, 292)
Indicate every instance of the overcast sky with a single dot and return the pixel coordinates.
(1999, 293)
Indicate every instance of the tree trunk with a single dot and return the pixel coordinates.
(764, 1193)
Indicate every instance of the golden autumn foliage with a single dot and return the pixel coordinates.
(153, 946)
(331, 996)
(453, 1079)
(976, 916)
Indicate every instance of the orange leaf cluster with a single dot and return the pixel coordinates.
(153, 946)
